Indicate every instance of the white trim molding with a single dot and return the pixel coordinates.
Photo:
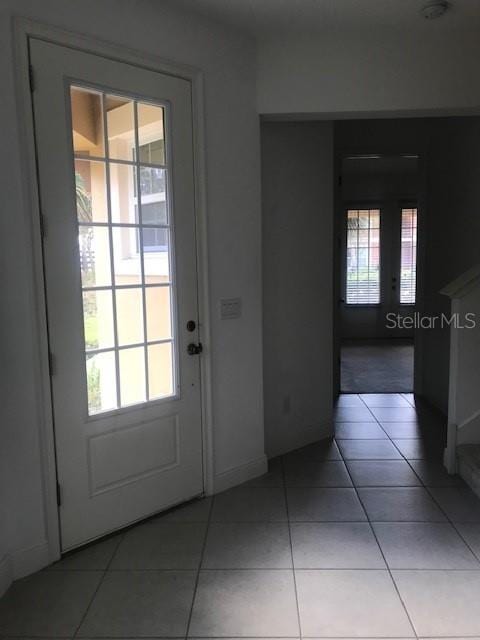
(307, 435)
(463, 423)
(461, 286)
(23, 562)
(242, 473)
(5, 574)
(29, 560)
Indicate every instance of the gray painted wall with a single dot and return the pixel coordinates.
(369, 71)
(453, 234)
(297, 197)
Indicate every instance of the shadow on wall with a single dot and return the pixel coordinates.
(297, 181)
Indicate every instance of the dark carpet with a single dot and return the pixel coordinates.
(377, 366)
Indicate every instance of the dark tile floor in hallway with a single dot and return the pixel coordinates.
(363, 537)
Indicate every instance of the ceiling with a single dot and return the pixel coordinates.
(274, 17)
(371, 165)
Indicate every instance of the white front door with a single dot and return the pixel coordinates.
(115, 165)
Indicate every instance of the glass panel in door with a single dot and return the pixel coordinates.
(125, 240)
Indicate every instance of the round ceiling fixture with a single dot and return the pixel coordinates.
(435, 9)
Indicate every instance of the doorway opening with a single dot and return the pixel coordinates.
(378, 212)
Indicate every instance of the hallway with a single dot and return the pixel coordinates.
(366, 536)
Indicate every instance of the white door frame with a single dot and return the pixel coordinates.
(24, 31)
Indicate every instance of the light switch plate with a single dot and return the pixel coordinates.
(230, 308)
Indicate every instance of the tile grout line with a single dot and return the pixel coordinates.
(291, 548)
(373, 531)
(371, 412)
(452, 523)
(410, 403)
(100, 582)
(391, 439)
(209, 521)
(383, 555)
(313, 522)
(428, 490)
(233, 637)
(378, 422)
(197, 577)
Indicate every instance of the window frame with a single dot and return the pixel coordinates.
(407, 204)
(351, 206)
(148, 199)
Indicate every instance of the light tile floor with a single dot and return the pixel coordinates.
(365, 537)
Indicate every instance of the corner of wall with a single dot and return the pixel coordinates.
(237, 475)
(29, 560)
(22, 563)
(302, 438)
(5, 574)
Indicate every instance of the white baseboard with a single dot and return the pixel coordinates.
(29, 560)
(309, 435)
(468, 465)
(22, 563)
(237, 475)
(5, 574)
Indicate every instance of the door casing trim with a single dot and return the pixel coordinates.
(24, 30)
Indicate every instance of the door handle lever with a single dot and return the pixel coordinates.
(194, 349)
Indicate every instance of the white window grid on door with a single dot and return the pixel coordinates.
(155, 197)
(408, 255)
(362, 281)
(137, 228)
